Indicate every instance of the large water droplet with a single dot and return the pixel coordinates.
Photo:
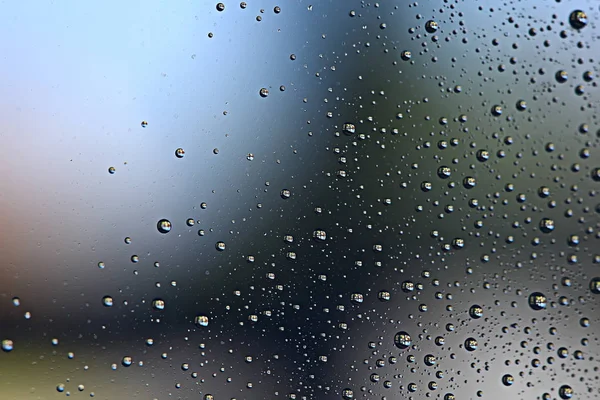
(402, 340)
(537, 301)
(7, 345)
(107, 301)
(201, 321)
(164, 226)
(578, 19)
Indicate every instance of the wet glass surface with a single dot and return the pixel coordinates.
(300, 200)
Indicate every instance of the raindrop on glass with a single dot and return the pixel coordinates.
(578, 19)
(7, 345)
(107, 301)
(471, 344)
(164, 226)
(431, 26)
(402, 340)
(508, 380)
(158, 304)
(201, 321)
(537, 301)
(595, 285)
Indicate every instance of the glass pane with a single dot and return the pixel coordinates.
(295, 200)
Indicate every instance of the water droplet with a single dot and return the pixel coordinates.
(406, 55)
(179, 153)
(126, 361)
(190, 222)
(471, 344)
(565, 392)
(285, 194)
(158, 304)
(429, 360)
(357, 298)
(578, 19)
(201, 321)
(220, 246)
(469, 182)
(595, 285)
(107, 301)
(402, 340)
(431, 26)
(547, 225)
(101, 265)
(347, 394)
(537, 301)
(144, 124)
(7, 345)
(277, 9)
(384, 295)
(220, 6)
(16, 301)
(561, 76)
(476, 311)
(264, 92)
(111, 170)
(444, 172)
(164, 226)
(60, 388)
(349, 128)
(508, 380)
(320, 235)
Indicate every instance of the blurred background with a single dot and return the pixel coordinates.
(296, 200)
